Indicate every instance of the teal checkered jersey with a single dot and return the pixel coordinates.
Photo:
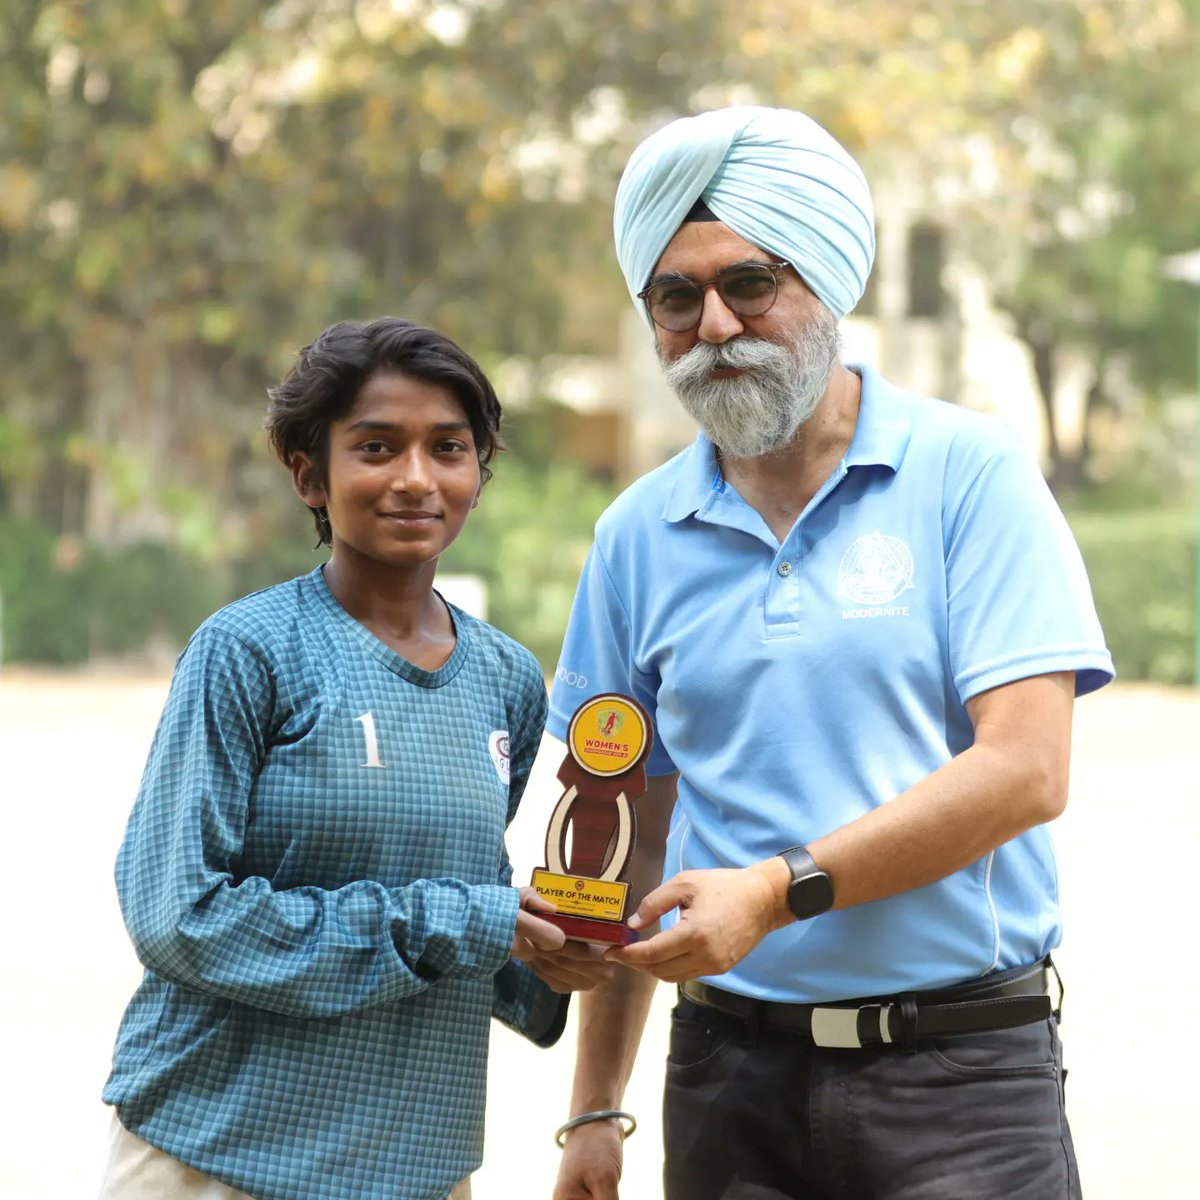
(314, 876)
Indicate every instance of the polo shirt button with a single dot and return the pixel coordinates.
(785, 569)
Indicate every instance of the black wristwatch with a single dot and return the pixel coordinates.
(811, 891)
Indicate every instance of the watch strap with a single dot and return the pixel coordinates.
(810, 892)
(799, 862)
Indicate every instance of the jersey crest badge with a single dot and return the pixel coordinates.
(498, 749)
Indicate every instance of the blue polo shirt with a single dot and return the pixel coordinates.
(796, 686)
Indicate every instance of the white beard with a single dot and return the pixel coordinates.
(756, 413)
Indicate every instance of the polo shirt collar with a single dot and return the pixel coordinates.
(698, 482)
(884, 425)
(881, 437)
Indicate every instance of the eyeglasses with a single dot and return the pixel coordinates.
(747, 289)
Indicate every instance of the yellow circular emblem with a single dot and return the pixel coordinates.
(607, 735)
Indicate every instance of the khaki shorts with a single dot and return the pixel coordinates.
(138, 1171)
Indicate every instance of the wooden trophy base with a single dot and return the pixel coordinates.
(589, 910)
(591, 929)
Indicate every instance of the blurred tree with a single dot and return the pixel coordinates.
(191, 191)
(188, 192)
(1055, 137)
(1122, 100)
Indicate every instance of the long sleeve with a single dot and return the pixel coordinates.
(521, 1001)
(195, 920)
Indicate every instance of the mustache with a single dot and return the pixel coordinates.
(743, 353)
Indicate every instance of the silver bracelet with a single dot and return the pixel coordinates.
(601, 1114)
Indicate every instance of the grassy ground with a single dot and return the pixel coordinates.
(72, 748)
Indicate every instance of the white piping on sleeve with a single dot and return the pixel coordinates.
(987, 891)
(683, 837)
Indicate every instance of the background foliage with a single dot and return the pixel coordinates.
(1142, 565)
(189, 192)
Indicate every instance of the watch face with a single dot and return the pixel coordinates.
(810, 895)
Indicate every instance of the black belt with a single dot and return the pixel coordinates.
(1004, 1001)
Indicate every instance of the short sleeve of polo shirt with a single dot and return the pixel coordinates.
(1017, 594)
(598, 657)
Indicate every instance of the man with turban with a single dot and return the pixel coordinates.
(859, 623)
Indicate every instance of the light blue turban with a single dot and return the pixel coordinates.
(774, 176)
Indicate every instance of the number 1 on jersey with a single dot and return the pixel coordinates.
(368, 724)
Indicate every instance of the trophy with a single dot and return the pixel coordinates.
(607, 742)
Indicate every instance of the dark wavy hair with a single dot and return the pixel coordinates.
(327, 376)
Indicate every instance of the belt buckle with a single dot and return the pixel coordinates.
(837, 1028)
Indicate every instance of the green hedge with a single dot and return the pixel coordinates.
(1143, 571)
(45, 615)
(528, 539)
(65, 602)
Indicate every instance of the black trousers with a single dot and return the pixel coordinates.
(769, 1116)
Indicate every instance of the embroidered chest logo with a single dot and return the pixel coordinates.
(875, 570)
(498, 749)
